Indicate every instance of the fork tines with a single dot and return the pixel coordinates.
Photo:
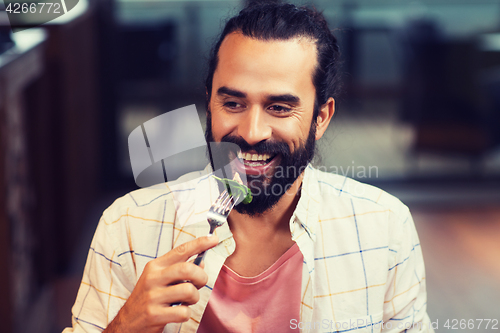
(224, 203)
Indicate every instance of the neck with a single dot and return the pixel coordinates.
(274, 219)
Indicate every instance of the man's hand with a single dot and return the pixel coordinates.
(148, 309)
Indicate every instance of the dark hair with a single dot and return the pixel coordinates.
(282, 21)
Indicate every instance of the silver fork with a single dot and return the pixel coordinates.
(217, 216)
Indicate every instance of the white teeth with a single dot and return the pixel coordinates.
(240, 155)
(254, 157)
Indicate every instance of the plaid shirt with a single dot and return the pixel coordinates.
(363, 269)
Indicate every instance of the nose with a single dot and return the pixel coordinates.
(253, 127)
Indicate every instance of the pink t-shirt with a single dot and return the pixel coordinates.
(263, 303)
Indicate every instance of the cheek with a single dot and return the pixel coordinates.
(285, 134)
(294, 132)
(221, 126)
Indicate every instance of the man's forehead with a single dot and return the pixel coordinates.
(243, 57)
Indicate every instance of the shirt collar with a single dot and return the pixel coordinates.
(307, 211)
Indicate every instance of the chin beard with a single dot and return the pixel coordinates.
(267, 191)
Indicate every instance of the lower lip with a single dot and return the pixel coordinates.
(256, 170)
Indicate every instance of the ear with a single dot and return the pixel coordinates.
(325, 115)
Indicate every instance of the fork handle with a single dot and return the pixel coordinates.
(197, 262)
(199, 258)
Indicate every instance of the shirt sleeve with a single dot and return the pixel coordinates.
(106, 283)
(406, 296)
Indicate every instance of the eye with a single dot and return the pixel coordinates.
(233, 106)
(279, 109)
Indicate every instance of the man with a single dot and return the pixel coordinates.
(313, 251)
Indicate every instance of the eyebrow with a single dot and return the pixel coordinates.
(284, 98)
(231, 92)
(273, 98)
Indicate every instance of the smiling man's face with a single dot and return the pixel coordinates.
(263, 100)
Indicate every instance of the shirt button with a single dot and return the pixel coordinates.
(227, 242)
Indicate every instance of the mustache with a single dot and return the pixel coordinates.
(263, 147)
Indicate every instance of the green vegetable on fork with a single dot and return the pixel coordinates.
(236, 189)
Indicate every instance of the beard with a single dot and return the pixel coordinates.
(266, 190)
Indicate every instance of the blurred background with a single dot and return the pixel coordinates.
(419, 117)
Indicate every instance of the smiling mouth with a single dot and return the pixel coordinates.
(255, 160)
(255, 164)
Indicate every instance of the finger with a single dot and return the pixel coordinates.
(184, 251)
(177, 314)
(185, 293)
(184, 271)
